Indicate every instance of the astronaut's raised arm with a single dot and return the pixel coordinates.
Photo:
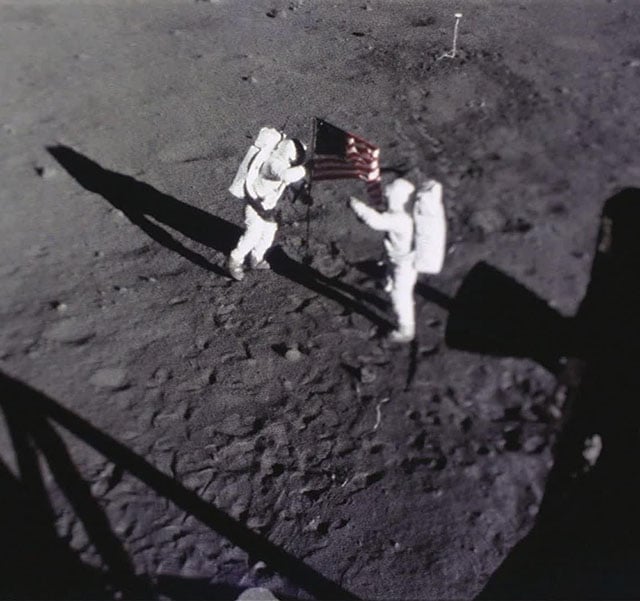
(294, 174)
(374, 219)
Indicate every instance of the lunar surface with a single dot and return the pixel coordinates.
(169, 433)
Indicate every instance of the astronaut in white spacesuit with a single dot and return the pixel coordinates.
(272, 163)
(415, 243)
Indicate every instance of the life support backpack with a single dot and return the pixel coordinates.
(430, 228)
(248, 171)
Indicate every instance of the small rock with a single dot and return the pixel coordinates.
(275, 13)
(507, 380)
(79, 539)
(257, 523)
(225, 309)
(46, 172)
(592, 449)
(160, 376)
(359, 322)
(367, 374)
(317, 525)
(111, 378)
(235, 497)
(363, 479)
(488, 220)
(169, 567)
(517, 225)
(58, 306)
(69, 331)
(257, 594)
(237, 456)
(534, 444)
(202, 343)
(235, 425)
(201, 380)
(177, 300)
(36, 251)
(293, 354)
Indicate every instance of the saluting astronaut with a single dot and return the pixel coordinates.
(272, 163)
(415, 243)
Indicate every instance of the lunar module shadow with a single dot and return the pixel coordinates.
(585, 543)
(36, 562)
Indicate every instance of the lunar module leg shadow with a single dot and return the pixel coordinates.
(585, 542)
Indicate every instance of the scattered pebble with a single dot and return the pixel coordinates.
(160, 376)
(36, 251)
(69, 331)
(257, 594)
(534, 444)
(58, 306)
(488, 220)
(592, 449)
(46, 172)
(293, 354)
(225, 309)
(110, 378)
(364, 479)
(257, 523)
(367, 374)
(235, 425)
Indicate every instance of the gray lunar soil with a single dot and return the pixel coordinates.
(169, 433)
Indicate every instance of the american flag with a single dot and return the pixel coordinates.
(341, 155)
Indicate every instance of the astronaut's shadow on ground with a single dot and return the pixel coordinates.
(585, 543)
(37, 563)
(147, 207)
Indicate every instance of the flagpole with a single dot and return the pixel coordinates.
(307, 255)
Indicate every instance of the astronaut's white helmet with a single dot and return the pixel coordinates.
(398, 194)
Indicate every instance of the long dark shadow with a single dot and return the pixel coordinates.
(141, 203)
(315, 281)
(20, 397)
(90, 513)
(493, 314)
(31, 434)
(34, 562)
(585, 543)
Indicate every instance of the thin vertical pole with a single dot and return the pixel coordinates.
(307, 255)
(455, 35)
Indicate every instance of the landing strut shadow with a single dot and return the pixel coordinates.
(28, 525)
(585, 543)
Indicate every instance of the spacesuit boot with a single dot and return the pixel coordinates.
(236, 269)
(402, 334)
(258, 263)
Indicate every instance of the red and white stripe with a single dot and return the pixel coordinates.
(362, 161)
